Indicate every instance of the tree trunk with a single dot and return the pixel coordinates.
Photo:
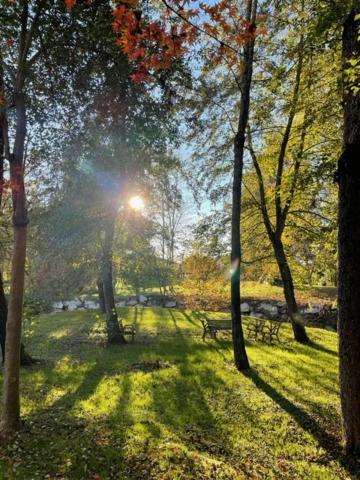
(10, 420)
(100, 288)
(289, 292)
(3, 316)
(114, 328)
(349, 248)
(240, 356)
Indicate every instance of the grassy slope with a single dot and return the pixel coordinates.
(93, 413)
(264, 291)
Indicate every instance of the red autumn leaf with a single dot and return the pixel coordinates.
(69, 4)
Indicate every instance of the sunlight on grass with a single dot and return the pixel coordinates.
(171, 406)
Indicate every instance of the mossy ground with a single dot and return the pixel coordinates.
(172, 407)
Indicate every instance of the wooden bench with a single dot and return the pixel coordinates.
(213, 326)
(129, 330)
(267, 329)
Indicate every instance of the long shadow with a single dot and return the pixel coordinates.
(325, 439)
(321, 348)
(181, 406)
(197, 315)
(136, 319)
(72, 434)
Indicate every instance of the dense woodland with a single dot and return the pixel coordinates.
(202, 153)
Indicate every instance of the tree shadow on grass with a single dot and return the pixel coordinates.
(74, 443)
(182, 407)
(198, 316)
(321, 348)
(330, 443)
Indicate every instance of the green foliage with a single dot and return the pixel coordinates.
(171, 406)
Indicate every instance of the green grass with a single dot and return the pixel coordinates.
(264, 291)
(92, 412)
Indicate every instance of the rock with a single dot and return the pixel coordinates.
(312, 310)
(143, 299)
(245, 308)
(170, 304)
(131, 303)
(57, 306)
(269, 309)
(122, 303)
(92, 305)
(73, 305)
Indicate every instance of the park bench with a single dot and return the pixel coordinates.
(129, 330)
(213, 326)
(267, 329)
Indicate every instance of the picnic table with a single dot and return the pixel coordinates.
(267, 329)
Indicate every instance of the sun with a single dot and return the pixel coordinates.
(137, 203)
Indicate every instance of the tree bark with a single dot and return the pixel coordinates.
(349, 247)
(240, 356)
(300, 334)
(10, 419)
(3, 316)
(100, 288)
(114, 327)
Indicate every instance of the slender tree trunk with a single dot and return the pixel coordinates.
(240, 356)
(100, 288)
(114, 328)
(289, 292)
(3, 316)
(25, 358)
(10, 420)
(349, 247)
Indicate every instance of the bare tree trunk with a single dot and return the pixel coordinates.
(349, 247)
(3, 316)
(114, 328)
(100, 288)
(10, 420)
(300, 334)
(240, 356)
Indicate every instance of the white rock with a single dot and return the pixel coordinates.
(132, 303)
(312, 310)
(245, 308)
(92, 305)
(268, 308)
(170, 304)
(143, 299)
(57, 306)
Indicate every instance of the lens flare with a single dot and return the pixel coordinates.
(137, 203)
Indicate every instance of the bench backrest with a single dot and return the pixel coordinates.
(226, 324)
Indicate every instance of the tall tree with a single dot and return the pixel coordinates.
(349, 234)
(275, 228)
(14, 151)
(240, 356)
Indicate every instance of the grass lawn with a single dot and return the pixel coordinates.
(173, 407)
(251, 290)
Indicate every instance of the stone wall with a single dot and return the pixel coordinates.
(322, 316)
